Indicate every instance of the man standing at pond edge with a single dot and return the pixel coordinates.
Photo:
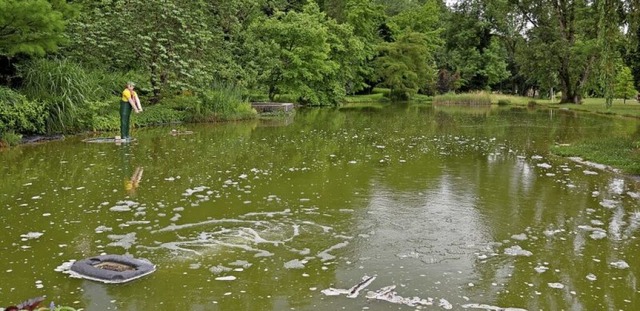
(129, 100)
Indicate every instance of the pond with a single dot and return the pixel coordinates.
(462, 208)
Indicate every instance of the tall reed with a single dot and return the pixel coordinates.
(66, 89)
(472, 99)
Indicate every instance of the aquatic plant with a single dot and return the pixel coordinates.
(480, 98)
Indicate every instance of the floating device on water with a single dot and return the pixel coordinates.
(116, 140)
(112, 268)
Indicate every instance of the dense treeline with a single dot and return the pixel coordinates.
(63, 63)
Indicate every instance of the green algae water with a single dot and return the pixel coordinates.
(394, 208)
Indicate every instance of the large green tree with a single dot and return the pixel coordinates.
(32, 27)
(406, 64)
(474, 49)
(563, 38)
(305, 55)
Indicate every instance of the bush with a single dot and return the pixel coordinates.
(19, 114)
(157, 114)
(532, 104)
(72, 94)
(223, 101)
(504, 102)
(10, 138)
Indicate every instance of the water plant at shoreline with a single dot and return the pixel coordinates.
(471, 99)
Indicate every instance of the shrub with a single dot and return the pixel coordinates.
(19, 114)
(222, 101)
(532, 104)
(10, 138)
(504, 102)
(68, 91)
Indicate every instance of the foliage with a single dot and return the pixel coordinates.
(169, 40)
(222, 101)
(71, 94)
(564, 38)
(472, 51)
(293, 55)
(19, 114)
(158, 114)
(405, 66)
(32, 27)
(624, 86)
(474, 99)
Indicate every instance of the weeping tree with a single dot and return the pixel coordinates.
(565, 38)
(406, 65)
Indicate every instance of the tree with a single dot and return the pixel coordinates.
(406, 65)
(473, 49)
(624, 86)
(32, 27)
(293, 54)
(562, 38)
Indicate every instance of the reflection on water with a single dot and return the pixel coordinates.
(458, 208)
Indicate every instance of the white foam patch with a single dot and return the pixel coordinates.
(324, 255)
(388, 294)
(556, 285)
(516, 250)
(519, 237)
(123, 206)
(124, 241)
(352, 292)
(226, 278)
(620, 264)
(489, 307)
(610, 204)
(31, 235)
(294, 264)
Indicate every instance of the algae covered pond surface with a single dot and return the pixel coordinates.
(425, 208)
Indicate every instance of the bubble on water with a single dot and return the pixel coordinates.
(588, 172)
(591, 277)
(544, 165)
(123, 206)
(445, 304)
(620, 264)
(125, 241)
(516, 250)
(219, 269)
(31, 235)
(541, 269)
(519, 237)
(556, 285)
(598, 235)
(101, 229)
(226, 278)
(610, 204)
(294, 264)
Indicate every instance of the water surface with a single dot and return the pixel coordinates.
(463, 208)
